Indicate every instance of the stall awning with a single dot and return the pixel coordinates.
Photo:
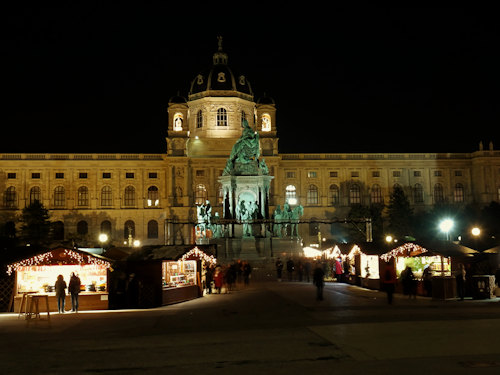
(443, 248)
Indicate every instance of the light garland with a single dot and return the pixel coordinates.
(33, 261)
(46, 257)
(197, 253)
(404, 250)
(354, 251)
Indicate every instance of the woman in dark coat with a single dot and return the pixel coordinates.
(60, 287)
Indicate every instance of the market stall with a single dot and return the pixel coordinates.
(364, 266)
(436, 261)
(37, 275)
(169, 274)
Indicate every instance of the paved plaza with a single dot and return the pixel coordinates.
(267, 327)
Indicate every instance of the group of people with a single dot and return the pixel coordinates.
(73, 288)
(217, 277)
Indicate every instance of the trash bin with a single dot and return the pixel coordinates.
(444, 287)
(483, 286)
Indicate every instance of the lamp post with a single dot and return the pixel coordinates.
(446, 226)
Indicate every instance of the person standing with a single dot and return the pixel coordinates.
(279, 268)
(460, 277)
(247, 271)
(74, 290)
(319, 281)
(389, 280)
(60, 288)
(290, 267)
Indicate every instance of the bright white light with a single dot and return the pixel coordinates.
(137, 243)
(388, 238)
(446, 225)
(292, 201)
(103, 237)
(476, 231)
(309, 252)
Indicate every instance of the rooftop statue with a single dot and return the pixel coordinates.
(244, 158)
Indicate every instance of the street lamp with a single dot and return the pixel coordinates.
(103, 237)
(475, 231)
(445, 226)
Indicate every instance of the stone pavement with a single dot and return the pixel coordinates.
(270, 328)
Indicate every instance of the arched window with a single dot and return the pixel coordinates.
(35, 194)
(200, 194)
(153, 197)
(266, 122)
(106, 196)
(291, 195)
(59, 196)
(152, 229)
(459, 194)
(418, 194)
(312, 195)
(82, 228)
(128, 229)
(83, 196)
(376, 194)
(178, 119)
(106, 227)
(58, 230)
(10, 197)
(333, 195)
(129, 198)
(354, 194)
(221, 117)
(438, 193)
(199, 119)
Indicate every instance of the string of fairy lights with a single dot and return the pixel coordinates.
(403, 250)
(73, 257)
(197, 253)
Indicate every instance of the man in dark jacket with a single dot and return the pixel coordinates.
(74, 289)
(318, 281)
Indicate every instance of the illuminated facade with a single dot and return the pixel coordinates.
(137, 195)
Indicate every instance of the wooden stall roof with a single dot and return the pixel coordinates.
(168, 252)
(58, 256)
(430, 248)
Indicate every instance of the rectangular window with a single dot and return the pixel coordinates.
(354, 174)
(334, 174)
(438, 173)
(458, 173)
(396, 173)
(60, 175)
(153, 175)
(417, 173)
(11, 175)
(35, 175)
(312, 174)
(106, 175)
(82, 175)
(290, 174)
(200, 173)
(129, 175)
(376, 174)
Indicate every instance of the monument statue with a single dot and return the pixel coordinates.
(244, 158)
(297, 212)
(204, 214)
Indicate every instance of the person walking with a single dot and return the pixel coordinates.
(218, 279)
(247, 271)
(389, 280)
(74, 290)
(60, 288)
(319, 281)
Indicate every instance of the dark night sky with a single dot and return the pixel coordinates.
(97, 77)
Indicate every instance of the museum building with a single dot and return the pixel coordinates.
(153, 197)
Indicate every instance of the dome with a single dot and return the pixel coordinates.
(219, 77)
(266, 100)
(177, 99)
